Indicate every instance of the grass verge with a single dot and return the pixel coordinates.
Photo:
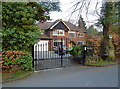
(6, 77)
(102, 63)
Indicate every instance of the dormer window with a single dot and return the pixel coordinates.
(58, 32)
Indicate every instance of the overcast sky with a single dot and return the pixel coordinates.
(66, 10)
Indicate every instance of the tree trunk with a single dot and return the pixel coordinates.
(108, 46)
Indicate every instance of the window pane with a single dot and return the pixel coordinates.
(57, 43)
(58, 32)
(80, 43)
(80, 34)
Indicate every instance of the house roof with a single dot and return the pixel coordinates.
(44, 25)
(50, 25)
(73, 27)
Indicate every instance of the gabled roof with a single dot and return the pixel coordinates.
(44, 25)
(51, 25)
(57, 22)
(73, 27)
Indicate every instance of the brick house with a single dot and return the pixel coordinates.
(54, 31)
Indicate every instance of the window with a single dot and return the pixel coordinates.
(58, 32)
(80, 42)
(57, 42)
(80, 34)
(72, 34)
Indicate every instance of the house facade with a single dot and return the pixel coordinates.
(54, 31)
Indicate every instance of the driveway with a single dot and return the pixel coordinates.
(74, 76)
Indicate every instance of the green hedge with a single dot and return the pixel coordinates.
(76, 51)
(17, 58)
(25, 62)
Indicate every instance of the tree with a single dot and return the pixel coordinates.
(43, 8)
(91, 30)
(81, 23)
(109, 21)
(19, 29)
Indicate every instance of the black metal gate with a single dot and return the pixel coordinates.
(53, 54)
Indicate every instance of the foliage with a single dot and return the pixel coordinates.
(25, 61)
(20, 32)
(91, 30)
(98, 44)
(110, 24)
(115, 41)
(76, 51)
(19, 29)
(14, 74)
(81, 23)
(114, 20)
(110, 52)
(93, 58)
(43, 8)
(94, 43)
(51, 5)
(101, 63)
(11, 58)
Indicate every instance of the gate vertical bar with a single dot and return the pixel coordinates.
(43, 50)
(61, 52)
(33, 57)
(37, 51)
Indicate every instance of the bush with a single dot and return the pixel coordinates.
(93, 58)
(19, 58)
(25, 61)
(76, 51)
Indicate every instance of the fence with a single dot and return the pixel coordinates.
(53, 54)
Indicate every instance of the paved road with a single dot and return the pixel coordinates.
(75, 76)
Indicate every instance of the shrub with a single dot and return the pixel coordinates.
(93, 58)
(76, 51)
(25, 61)
(19, 58)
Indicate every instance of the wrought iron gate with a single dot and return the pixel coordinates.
(53, 54)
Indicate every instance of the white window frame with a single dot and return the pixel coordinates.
(58, 30)
(80, 34)
(72, 32)
(57, 41)
(82, 42)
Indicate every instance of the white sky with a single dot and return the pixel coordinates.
(65, 7)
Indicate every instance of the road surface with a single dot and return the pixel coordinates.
(74, 76)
